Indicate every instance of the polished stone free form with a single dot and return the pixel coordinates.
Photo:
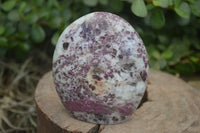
(100, 68)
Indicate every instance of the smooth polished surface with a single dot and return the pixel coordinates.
(100, 68)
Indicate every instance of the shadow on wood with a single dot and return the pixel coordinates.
(172, 106)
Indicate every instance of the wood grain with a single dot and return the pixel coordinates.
(172, 106)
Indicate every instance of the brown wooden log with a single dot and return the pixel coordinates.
(172, 106)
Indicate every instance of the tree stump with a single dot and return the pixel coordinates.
(172, 106)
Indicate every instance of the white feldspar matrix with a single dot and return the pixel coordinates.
(100, 68)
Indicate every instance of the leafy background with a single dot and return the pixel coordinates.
(29, 31)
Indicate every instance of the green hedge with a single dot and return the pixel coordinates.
(170, 28)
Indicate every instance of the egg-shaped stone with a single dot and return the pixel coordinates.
(100, 68)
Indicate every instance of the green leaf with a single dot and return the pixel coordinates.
(195, 7)
(159, 64)
(44, 15)
(23, 36)
(55, 3)
(167, 54)
(170, 2)
(183, 21)
(180, 49)
(194, 59)
(156, 54)
(150, 6)
(22, 7)
(10, 29)
(162, 63)
(163, 38)
(116, 5)
(192, 1)
(183, 10)
(2, 30)
(8, 5)
(185, 68)
(157, 3)
(161, 3)
(66, 13)
(23, 27)
(24, 46)
(37, 34)
(177, 2)
(164, 3)
(161, 47)
(55, 23)
(3, 42)
(31, 18)
(103, 2)
(157, 19)
(21, 50)
(13, 16)
(138, 7)
(90, 2)
(54, 39)
(39, 2)
(28, 8)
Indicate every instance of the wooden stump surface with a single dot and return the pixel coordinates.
(173, 106)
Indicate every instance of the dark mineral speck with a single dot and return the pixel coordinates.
(102, 37)
(92, 87)
(97, 31)
(131, 74)
(132, 84)
(128, 66)
(96, 77)
(106, 76)
(107, 45)
(143, 75)
(65, 45)
(115, 119)
(127, 32)
(120, 56)
(114, 52)
(100, 119)
(72, 39)
(80, 48)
